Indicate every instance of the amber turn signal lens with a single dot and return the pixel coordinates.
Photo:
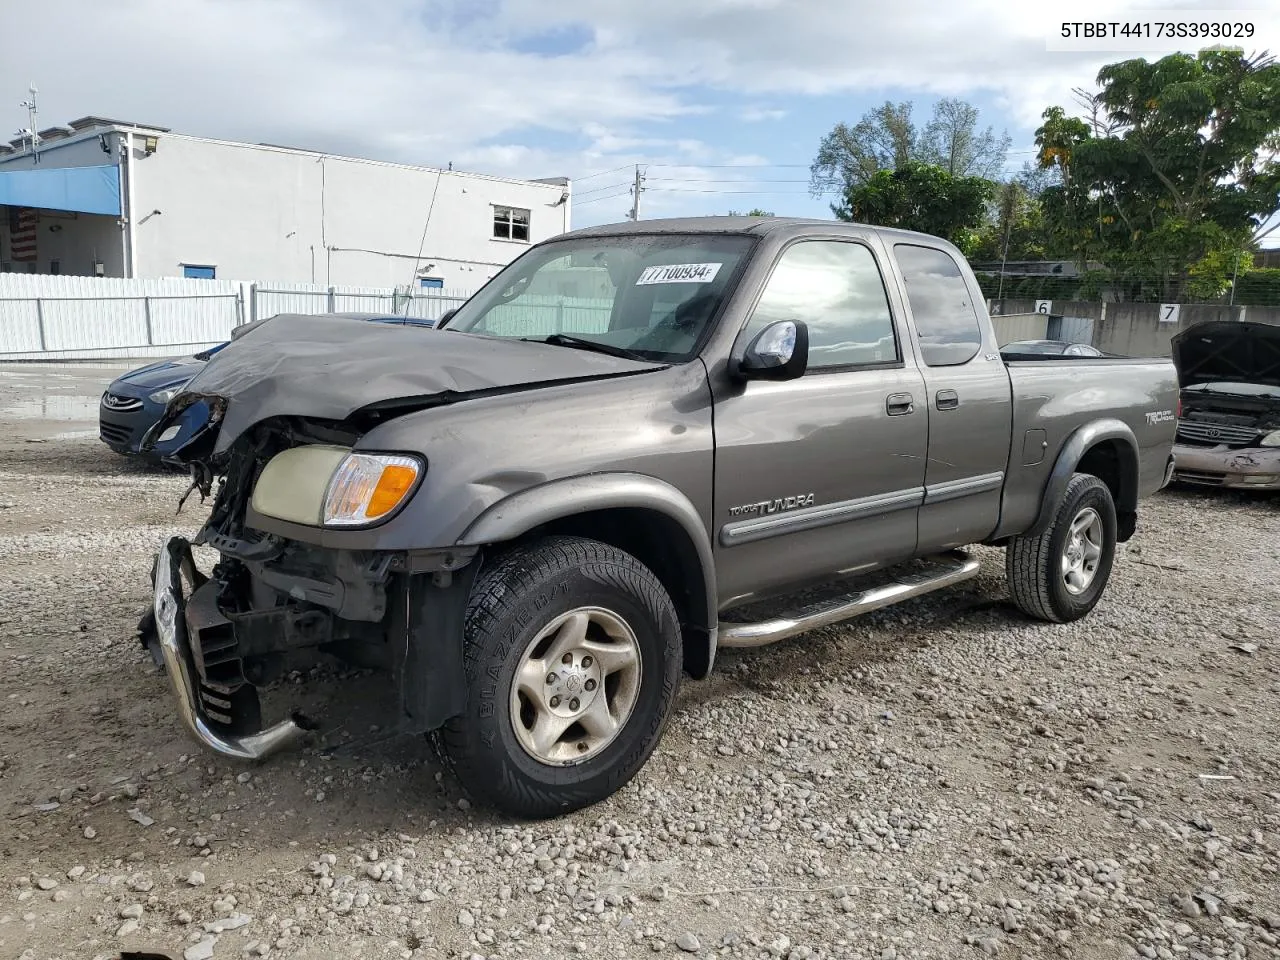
(395, 482)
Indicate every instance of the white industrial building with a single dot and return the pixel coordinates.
(110, 198)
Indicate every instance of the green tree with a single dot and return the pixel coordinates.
(1015, 227)
(921, 196)
(1175, 173)
(887, 138)
(884, 139)
(953, 141)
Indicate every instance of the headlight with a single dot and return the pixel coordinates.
(367, 486)
(167, 394)
(1272, 439)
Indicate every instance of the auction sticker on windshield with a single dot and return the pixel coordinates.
(679, 273)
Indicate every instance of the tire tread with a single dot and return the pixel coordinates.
(499, 590)
(1027, 559)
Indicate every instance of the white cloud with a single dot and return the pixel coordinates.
(759, 114)
(374, 79)
(429, 81)
(810, 47)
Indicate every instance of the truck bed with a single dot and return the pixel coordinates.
(1055, 396)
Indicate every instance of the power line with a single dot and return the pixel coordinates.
(592, 176)
(612, 186)
(610, 196)
(700, 180)
(732, 166)
(760, 193)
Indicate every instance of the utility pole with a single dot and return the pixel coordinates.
(636, 190)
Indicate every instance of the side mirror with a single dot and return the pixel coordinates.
(778, 352)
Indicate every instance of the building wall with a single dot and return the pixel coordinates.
(255, 211)
(78, 151)
(75, 241)
(1135, 329)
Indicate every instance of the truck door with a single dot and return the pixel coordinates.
(969, 399)
(825, 473)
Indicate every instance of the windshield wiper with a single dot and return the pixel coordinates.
(564, 340)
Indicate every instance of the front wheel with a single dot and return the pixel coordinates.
(1059, 575)
(573, 660)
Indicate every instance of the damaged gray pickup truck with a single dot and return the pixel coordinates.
(542, 514)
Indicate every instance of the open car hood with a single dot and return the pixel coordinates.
(330, 368)
(1218, 351)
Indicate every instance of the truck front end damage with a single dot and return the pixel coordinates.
(318, 546)
(207, 709)
(225, 635)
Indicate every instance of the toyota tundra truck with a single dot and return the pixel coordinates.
(635, 446)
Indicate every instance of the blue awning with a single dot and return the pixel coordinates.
(78, 189)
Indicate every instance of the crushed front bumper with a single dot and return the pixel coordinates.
(175, 573)
(1248, 468)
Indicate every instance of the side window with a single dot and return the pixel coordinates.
(835, 287)
(941, 306)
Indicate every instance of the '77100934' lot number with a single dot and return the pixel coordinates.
(679, 273)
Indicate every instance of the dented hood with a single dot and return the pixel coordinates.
(1229, 351)
(329, 368)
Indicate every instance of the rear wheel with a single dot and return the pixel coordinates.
(1060, 574)
(573, 661)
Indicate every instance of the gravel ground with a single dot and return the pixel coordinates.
(941, 779)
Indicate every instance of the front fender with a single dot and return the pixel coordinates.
(545, 503)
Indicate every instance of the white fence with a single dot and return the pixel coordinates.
(104, 318)
(268, 299)
(97, 318)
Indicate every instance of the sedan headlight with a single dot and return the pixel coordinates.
(367, 486)
(1271, 439)
(167, 394)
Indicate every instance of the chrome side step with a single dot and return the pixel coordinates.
(945, 570)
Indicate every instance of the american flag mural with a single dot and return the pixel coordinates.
(23, 222)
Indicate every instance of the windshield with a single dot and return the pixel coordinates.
(650, 296)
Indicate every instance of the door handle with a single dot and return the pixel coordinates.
(899, 404)
(947, 400)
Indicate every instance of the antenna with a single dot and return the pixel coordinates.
(30, 133)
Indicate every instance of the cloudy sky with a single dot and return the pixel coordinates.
(722, 101)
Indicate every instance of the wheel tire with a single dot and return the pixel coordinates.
(525, 590)
(1034, 564)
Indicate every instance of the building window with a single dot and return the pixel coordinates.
(55, 267)
(431, 283)
(511, 223)
(197, 271)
